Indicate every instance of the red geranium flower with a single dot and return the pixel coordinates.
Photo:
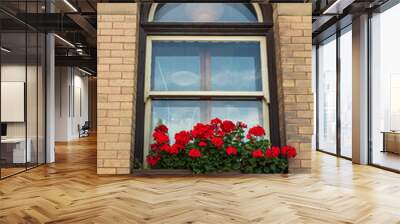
(228, 126)
(160, 137)
(257, 131)
(154, 146)
(242, 125)
(182, 138)
(202, 144)
(201, 130)
(289, 151)
(153, 160)
(161, 128)
(257, 153)
(174, 149)
(165, 148)
(231, 151)
(194, 153)
(217, 142)
(273, 152)
(216, 121)
(208, 134)
(219, 133)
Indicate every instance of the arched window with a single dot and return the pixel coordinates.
(206, 12)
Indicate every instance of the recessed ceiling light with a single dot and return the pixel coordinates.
(5, 50)
(85, 72)
(64, 40)
(70, 5)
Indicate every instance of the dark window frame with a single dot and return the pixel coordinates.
(334, 37)
(264, 29)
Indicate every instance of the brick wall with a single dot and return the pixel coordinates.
(116, 81)
(292, 29)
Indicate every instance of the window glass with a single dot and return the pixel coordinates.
(184, 114)
(385, 89)
(327, 96)
(176, 66)
(205, 12)
(346, 94)
(249, 112)
(206, 66)
(178, 115)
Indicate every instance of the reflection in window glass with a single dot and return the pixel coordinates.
(327, 96)
(385, 89)
(249, 112)
(206, 66)
(346, 94)
(176, 66)
(178, 115)
(205, 12)
(184, 114)
(237, 62)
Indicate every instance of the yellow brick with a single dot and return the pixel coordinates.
(118, 129)
(110, 46)
(120, 98)
(107, 155)
(123, 39)
(109, 122)
(124, 25)
(123, 170)
(105, 60)
(106, 171)
(121, 68)
(114, 105)
(109, 90)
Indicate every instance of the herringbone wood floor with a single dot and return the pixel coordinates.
(70, 192)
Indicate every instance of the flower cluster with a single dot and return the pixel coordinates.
(220, 145)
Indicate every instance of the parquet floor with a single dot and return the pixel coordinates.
(69, 191)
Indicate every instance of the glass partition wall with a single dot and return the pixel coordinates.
(22, 99)
(385, 89)
(334, 94)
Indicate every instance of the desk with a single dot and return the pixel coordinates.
(18, 150)
(391, 142)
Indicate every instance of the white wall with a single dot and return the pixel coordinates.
(71, 103)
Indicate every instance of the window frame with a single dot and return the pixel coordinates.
(336, 36)
(263, 96)
(256, 7)
(146, 28)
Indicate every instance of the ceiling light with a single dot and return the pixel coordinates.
(84, 71)
(5, 50)
(64, 40)
(70, 5)
(337, 7)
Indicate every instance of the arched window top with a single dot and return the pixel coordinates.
(206, 12)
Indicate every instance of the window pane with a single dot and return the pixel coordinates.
(175, 66)
(178, 115)
(205, 12)
(206, 66)
(327, 97)
(237, 62)
(346, 94)
(249, 112)
(181, 115)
